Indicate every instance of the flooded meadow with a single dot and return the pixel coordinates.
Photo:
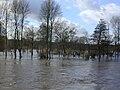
(58, 74)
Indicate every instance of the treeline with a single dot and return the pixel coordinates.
(54, 32)
(52, 27)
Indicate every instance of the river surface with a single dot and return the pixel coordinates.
(58, 74)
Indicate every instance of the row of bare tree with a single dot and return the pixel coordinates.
(14, 12)
(52, 29)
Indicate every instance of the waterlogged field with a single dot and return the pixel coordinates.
(58, 74)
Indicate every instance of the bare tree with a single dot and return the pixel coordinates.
(20, 10)
(115, 23)
(24, 11)
(15, 8)
(5, 15)
(55, 13)
(49, 11)
(30, 36)
(63, 34)
(41, 37)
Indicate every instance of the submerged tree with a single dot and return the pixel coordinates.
(2, 36)
(115, 22)
(49, 11)
(41, 38)
(63, 34)
(15, 11)
(101, 36)
(24, 11)
(30, 37)
(20, 9)
(5, 13)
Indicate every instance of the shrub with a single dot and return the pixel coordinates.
(86, 55)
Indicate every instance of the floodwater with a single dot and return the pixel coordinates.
(58, 74)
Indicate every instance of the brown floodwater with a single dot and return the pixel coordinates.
(58, 74)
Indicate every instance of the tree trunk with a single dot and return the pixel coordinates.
(6, 47)
(99, 47)
(15, 55)
(20, 54)
(6, 22)
(15, 41)
(21, 41)
(32, 48)
(47, 39)
(50, 51)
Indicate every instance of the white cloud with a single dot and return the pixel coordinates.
(80, 29)
(68, 8)
(105, 12)
(91, 11)
(84, 4)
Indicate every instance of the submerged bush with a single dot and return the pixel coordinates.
(86, 55)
